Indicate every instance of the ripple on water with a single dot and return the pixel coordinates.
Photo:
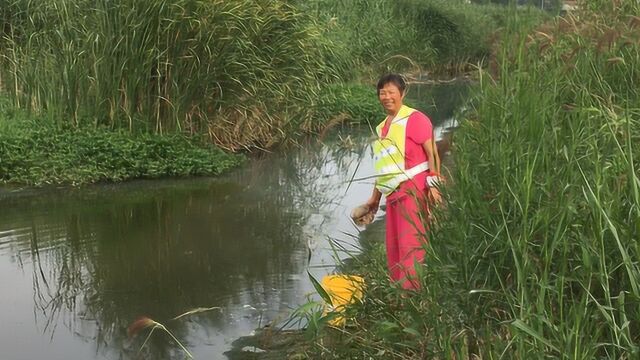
(33, 240)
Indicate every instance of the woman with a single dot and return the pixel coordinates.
(407, 164)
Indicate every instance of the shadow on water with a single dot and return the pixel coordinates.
(82, 264)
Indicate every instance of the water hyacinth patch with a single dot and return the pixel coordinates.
(39, 153)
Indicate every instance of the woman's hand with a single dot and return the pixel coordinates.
(374, 200)
(364, 214)
(433, 193)
(434, 196)
(373, 203)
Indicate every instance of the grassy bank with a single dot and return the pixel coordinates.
(234, 71)
(34, 151)
(536, 254)
(432, 36)
(241, 75)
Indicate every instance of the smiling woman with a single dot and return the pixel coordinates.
(405, 156)
(391, 94)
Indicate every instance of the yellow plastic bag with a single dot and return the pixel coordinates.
(343, 291)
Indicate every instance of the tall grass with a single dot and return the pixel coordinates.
(371, 33)
(551, 206)
(245, 73)
(414, 35)
(536, 254)
(215, 67)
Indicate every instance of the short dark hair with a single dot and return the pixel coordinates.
(394, 79)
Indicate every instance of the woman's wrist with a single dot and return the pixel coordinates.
(433, 179)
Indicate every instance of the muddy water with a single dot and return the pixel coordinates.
(77, 266)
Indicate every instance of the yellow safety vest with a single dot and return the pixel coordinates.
(389, 154)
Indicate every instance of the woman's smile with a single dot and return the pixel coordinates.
(390, 98)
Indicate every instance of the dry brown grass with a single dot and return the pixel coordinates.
(246, 128)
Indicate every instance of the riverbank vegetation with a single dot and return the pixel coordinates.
(427, 35)
(34, 151)
(536, 253)
(243, 75)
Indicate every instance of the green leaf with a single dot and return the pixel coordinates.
(412, 331)
(520, 325)
(321, 291)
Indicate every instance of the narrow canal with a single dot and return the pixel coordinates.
(77, 266)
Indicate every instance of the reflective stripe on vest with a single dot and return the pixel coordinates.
(389, 154)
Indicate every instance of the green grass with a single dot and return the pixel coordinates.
(240, 75)
(35, 151)
(164, 66)
(243, 73)
(349, 103)
(401, 35)
(536, 254)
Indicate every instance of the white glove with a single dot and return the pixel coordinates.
(433, 180)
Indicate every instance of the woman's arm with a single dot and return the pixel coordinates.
(374, 200)
(431, 149)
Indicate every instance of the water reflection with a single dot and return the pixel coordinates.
(110, 261)
(100, 257)
(85, 263)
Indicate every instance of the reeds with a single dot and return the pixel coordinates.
(439, 36)
(163, 65)
(246, 74)
(545, 229)
(536, 254)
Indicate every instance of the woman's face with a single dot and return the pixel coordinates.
(390, 97)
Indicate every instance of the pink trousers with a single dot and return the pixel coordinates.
(405, 236)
